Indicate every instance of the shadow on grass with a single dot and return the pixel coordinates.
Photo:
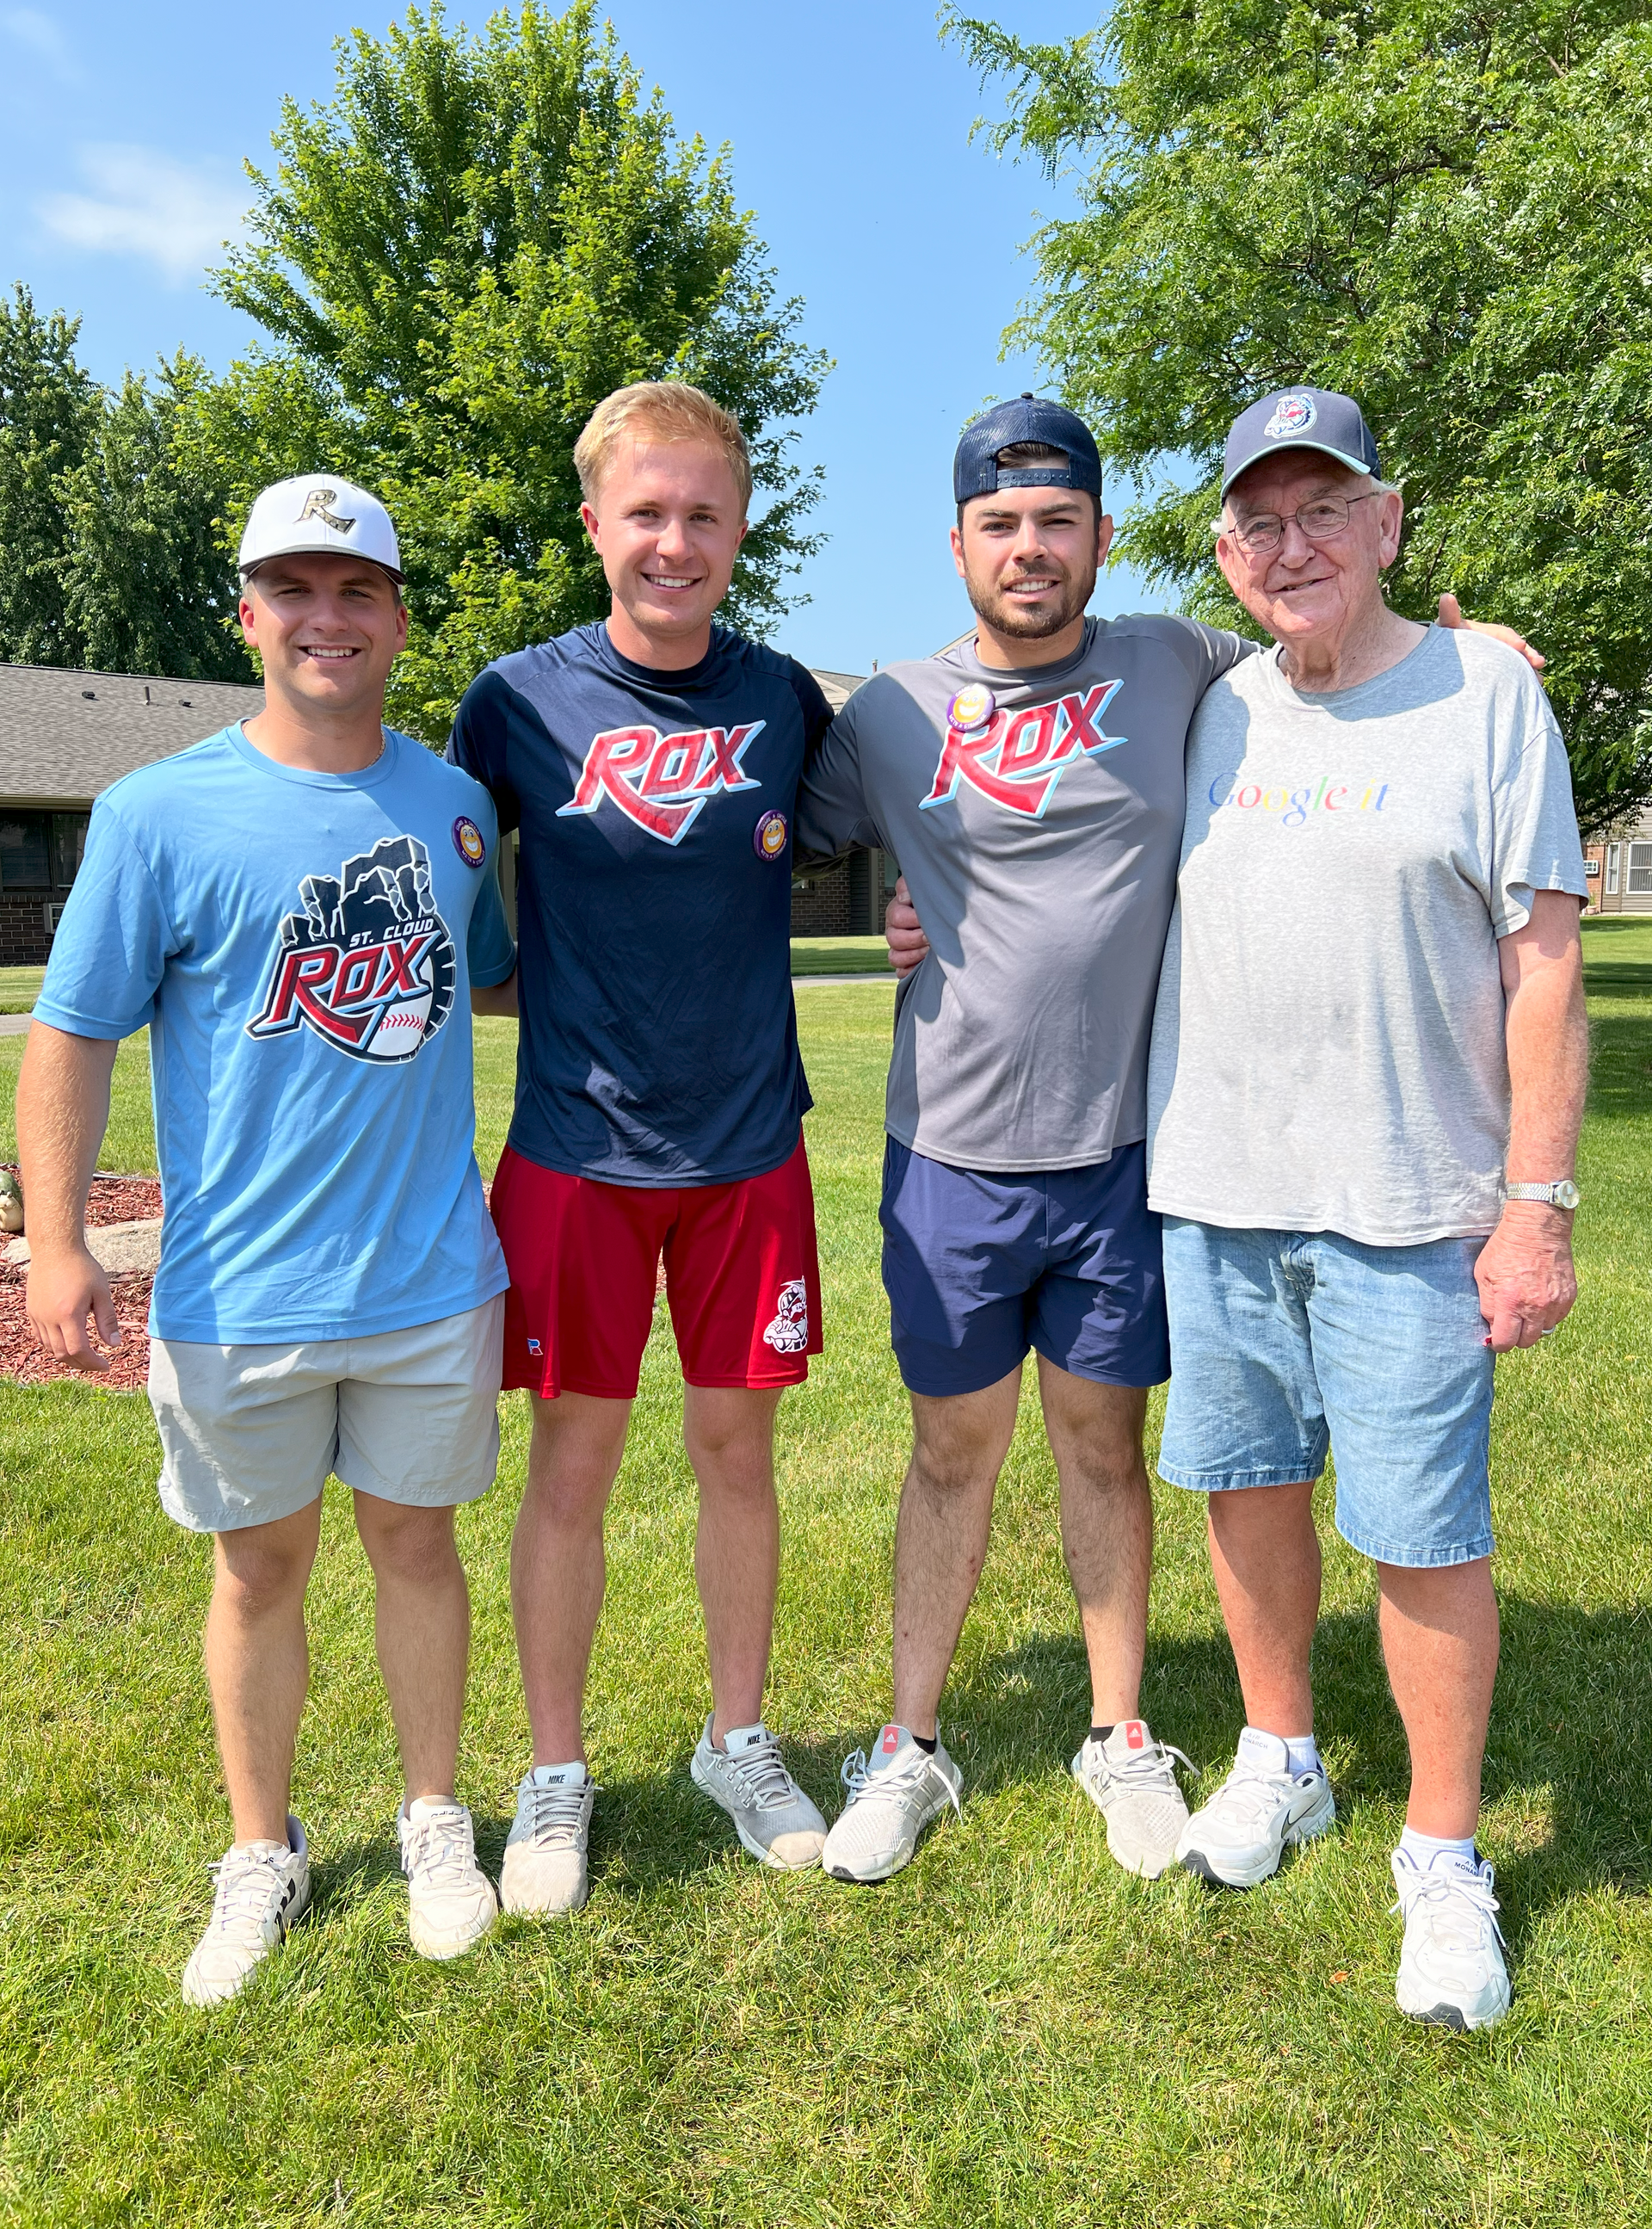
(1571, 1728)
(1620, 1057)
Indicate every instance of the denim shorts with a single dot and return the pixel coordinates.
(979, 1266)
(1285, 1344)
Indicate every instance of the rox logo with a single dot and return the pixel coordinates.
(661, 782)
(1017, 759)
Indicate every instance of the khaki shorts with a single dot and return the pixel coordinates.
(250, 1433)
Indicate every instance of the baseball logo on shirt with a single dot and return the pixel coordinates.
(1017, 758)
(788, 1332)
(662, 782)
(369, 964)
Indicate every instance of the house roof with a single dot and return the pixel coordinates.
(66, 735)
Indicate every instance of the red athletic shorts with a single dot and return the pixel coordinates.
(741, 1275)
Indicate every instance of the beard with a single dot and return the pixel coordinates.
(1008, 617)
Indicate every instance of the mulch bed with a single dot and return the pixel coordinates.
(114, 1200)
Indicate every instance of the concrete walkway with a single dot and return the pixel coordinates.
(14, 1025)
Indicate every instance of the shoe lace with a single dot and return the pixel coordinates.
(1247, 1795)
(764, 1783)
(857, 1775)
(1151, 1768)
(1450, 1895)
(441, 1848)
(245, 1882)
(556, 1814)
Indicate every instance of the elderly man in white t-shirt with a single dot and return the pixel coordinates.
(1367, 1076)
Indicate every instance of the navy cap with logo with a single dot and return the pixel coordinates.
(1301, 418)
(1029, 418)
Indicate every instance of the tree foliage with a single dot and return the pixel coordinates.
(110, 539)
(476, 239)
(48, 408)
(1441, 208)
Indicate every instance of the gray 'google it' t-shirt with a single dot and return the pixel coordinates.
(1037, 817)
(1329, 1049)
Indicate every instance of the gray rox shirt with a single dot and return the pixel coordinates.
(1037, 817)
(1329, 1050)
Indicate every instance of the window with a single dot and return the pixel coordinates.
(41, 851)
(25, 851)
(1613, 851)
(1640, 870)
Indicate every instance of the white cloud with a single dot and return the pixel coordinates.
(42, 36)
(148, 205)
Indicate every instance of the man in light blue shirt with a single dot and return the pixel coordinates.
(299, 908)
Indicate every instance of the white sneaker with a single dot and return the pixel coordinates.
(1235, 1840)
(545, 1853)
(773, 1818)
(451, 1903)
(1451, 1970)
(891, 1800)
(1131, 1782)
(262, 1888)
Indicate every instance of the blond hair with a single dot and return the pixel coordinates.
(660, 410)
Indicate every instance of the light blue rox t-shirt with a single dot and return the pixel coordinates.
(302, 946)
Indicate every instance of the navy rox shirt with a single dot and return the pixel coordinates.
(659, 1044)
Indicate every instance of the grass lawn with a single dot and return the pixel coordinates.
(19, 988)
(839, 955)
(1013, 2032)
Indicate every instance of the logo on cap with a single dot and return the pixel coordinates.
(769, 837)
(318, 504)
(468, 842)
(1292, 414)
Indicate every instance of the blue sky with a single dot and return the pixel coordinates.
(122, 132)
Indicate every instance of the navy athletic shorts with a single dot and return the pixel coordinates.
(980, 1267)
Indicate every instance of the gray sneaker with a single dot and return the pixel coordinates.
(747, 1777)
(261, 1889)
(1132, 1782)
(891, 1800)
(1236, 1840)
(544, 1872)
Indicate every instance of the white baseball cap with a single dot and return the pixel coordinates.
(318, 511)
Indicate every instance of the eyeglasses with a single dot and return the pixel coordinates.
(1321, 520)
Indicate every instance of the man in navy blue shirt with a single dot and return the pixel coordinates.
(651, 763)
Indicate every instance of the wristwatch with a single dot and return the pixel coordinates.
(1564, 1194)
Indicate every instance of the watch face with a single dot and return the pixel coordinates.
(1565, 1193)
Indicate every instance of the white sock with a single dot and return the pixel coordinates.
(1304, 1753)
(1450, 1855)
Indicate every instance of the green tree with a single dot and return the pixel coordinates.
(49, 407)
(1442, 209)
(147, 588)
(476, 239)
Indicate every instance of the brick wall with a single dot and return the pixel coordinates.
(849, 899)
(23, 939)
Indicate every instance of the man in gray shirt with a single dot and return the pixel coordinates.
(1366, 1082)
(1030, 783)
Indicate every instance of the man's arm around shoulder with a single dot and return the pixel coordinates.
(62, 1113)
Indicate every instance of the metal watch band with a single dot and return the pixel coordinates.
(1563, 1194)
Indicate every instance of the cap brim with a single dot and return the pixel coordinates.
(1275, 448)
(319, 550)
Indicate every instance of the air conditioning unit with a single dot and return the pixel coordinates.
(54, 914)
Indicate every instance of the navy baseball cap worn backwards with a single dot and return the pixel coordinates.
(976, 469)
(1301, 418)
